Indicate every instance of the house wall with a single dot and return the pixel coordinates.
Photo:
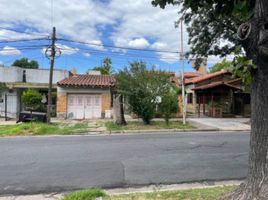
(62, 100)
(15, 74)
(13, 103)
(191, 107)
(35, 78)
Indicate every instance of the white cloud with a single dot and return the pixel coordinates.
(141, 43)
(95, 44)
(87, 54)
(215, 59)
(140, 19)
(66, 50)
(9, 51)
(87, 20)
(159, 46)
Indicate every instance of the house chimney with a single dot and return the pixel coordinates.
(73, 71)
(202, 68)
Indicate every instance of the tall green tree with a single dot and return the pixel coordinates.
(106, 67)
(141, 86)
(244, 25)
(25, 63)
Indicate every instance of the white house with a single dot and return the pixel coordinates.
(18, 79)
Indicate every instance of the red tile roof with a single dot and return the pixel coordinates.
(215, 84)
(86, 80)
(235, 81)
(191, 74)
(206, 77)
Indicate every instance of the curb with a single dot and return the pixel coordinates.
(131, 132)
(131, 190)
(172, 187)
(159, 131)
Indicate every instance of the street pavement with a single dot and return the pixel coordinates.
(32, 165)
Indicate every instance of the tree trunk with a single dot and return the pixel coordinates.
(118, 110)
(256, 184)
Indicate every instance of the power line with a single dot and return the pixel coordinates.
(118, 47)
(23, 48)
(23, 40)
(23, 32)
(118, 54)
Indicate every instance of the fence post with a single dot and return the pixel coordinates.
(5, 107)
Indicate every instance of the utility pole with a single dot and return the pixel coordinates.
(182, 75)
(52, 59)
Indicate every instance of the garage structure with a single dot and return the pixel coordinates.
(84, 106)
(86, 96)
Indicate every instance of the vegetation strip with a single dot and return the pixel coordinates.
(189, 194)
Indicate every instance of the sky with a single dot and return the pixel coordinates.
(99, 26)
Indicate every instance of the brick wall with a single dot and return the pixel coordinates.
(61, 105)
(106, 102)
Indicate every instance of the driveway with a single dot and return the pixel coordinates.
(224, 124)
(31, 165)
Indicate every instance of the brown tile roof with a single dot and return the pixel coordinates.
(215, 84)
(191, 74)
(206, 77)
(235, 81)
(86, 80)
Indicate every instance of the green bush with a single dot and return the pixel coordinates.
(32, 99)
(169, 104)
(89, 194)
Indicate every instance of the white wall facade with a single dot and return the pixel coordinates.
(15, 75)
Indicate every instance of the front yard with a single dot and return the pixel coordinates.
(75, 127)
(110, 126)
(43, 129)
(190, 194)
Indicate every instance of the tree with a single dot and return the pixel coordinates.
(118, 110)
(244, 24)
(169, 104)
(106, 67)
(25, 63)
(140, 87)
(223, 65)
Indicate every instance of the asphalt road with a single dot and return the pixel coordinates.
(31, 165)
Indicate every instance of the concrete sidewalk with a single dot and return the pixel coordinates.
(224, 124)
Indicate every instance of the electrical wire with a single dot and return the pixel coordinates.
(23, 40)
(119, 54)
(23, 32)
(117, 47)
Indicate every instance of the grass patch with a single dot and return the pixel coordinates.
(110, 126)
(191, 194)
(42, 129)
(90, 194)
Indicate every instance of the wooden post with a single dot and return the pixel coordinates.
(212, 107)
(204, 108)
(5, 107)
(199, 105)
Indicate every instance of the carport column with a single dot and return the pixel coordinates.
(106, 103)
